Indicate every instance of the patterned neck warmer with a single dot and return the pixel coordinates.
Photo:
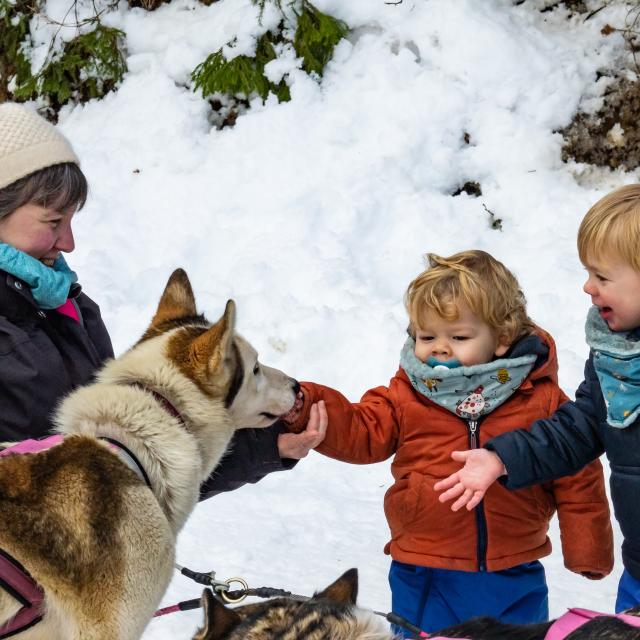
(49, 285)
(468, 392)
(616, 360)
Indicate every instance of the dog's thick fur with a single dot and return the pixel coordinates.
(85, 526)
(329, 615)
(600, 628)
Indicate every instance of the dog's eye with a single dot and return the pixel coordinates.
(256, 369)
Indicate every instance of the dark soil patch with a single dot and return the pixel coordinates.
(575, 6)
(610, 137)
(471, 188)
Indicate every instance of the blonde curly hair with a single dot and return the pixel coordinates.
(476, 279)
(612, 226)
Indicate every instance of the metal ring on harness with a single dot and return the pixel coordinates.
(229, 582)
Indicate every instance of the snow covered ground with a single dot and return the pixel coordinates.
(315, 214)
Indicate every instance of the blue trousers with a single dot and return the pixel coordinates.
(433, 599)
(628, 592)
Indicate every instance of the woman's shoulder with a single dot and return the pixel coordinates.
(94, 325)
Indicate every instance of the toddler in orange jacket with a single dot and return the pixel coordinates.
(473, 365)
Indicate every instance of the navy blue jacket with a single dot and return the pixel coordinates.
(45, 354)
(576, 434)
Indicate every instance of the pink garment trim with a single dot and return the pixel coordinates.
(69, 309)
(32, 446)
(575, 618)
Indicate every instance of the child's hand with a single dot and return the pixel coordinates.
(481, 469)
(298, 445)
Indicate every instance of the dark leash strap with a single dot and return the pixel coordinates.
(222, 589)
(129, 459)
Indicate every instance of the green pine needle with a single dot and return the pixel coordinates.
(242, 77)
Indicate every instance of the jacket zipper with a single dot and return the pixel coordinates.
(481, 521)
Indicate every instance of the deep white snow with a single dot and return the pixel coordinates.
(315, 214)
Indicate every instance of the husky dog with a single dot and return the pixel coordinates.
(328, 615)
(332, 615)
(599, 628)
(95, 537)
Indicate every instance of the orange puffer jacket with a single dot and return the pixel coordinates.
(509, 527)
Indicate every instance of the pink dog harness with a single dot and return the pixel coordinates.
(570, 621)
(575, 618)
(15, 579)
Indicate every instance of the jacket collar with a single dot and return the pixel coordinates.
(12, 289)
(546, 365)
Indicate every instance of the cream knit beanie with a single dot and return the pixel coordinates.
(28, 143)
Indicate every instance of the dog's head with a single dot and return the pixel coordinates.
(221, 363)
(259, 394)
(329, 614)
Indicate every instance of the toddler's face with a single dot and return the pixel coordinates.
(467, 339)
(614, 287)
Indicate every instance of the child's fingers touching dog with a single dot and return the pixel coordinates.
(298, 445)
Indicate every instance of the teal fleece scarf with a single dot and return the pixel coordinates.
(616, 360)
(468, 392)
(49, 285)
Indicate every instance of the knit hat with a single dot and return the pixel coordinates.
(29, 143)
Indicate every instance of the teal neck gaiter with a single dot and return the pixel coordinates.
(468, 392)
(49, 285)
(616, 360)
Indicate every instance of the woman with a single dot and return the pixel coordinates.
(52, 338)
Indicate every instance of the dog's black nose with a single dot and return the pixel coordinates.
(296, 386)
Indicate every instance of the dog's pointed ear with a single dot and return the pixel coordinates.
(214, 345)
(343, 590)
(218, 620)
(177, 300)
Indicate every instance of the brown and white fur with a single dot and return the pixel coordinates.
(83, 524)
(328, 615)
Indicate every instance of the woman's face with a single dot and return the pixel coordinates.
(40, 232)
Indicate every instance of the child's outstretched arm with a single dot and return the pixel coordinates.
(357, 432)
(553, 447)
(481, 469)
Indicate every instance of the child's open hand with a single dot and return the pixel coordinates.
(298, 445)
(481, 469)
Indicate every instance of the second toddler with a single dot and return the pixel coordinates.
(605, 417)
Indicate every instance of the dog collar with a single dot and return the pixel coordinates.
(167, 405)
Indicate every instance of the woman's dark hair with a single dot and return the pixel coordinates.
(61, 187)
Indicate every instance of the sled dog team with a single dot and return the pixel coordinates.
(89, 524)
